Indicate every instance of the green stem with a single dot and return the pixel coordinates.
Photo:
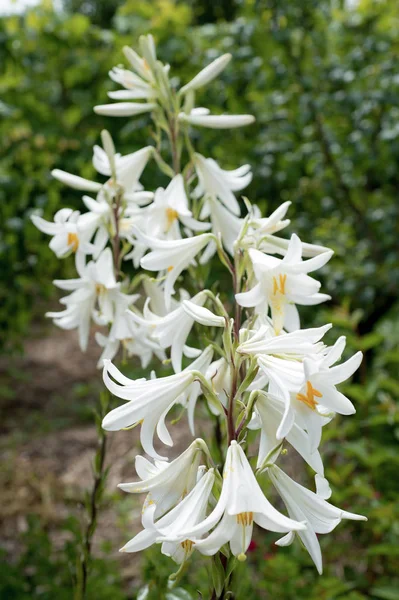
(93, 504)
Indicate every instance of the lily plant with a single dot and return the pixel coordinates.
(235, 353)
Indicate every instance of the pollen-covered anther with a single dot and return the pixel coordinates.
(73, 241)
(309, 397)
(245, 518)
(279, 285)
(187, 546)
(171, 216)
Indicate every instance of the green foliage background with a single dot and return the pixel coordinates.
(322, 81)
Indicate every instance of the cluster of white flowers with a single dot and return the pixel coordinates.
(268, 374)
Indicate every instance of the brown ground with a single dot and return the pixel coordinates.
(48, 443)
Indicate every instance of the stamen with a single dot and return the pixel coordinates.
(73, 241)
(309, 397)
(187, 546)
(279, 285)
(245, 518)
(171, 216)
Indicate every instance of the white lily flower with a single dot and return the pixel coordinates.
(188, 513)
(133, 338)
(219, 183)
(241, 503)
(170, 207)
(270, 410)
(96, 284)
(71, 232)
(207, 74)
(304, 505)
(318, 396)
(201, 118)
(261, 232)
(224, 224)
(149, 401)
(173, 329)
(166, 482)
(282, 283)
(128, 168)
(171, 256)
(292, 346)
(124, 109)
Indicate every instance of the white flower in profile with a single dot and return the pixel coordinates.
(123, 332)
(219, 183)
(107, 162)
(149, 401)
(200, 117)
(224, 224)
(70, 232)
(166, 482)
(173, 329)
(171, 257)
(188, 513)
(270, 410)
(318, 396)
(282, 283)
(95, 286)
(208, 74)
(261, 233)
(291, 346)
(241, 503)
(170, 210)
(302, 504)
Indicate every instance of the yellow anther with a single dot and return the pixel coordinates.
(245, 518)
(279, 285)
(187, 546)
(73, 241)
(171, 216)
(169, 269)
(309, 397)
(99, 288)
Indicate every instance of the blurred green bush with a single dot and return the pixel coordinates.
(322, 80)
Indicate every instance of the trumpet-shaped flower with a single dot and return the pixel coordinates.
(166, 482)
(188, 513)
(171, 256)
(169, 209)
(282, 283)
(71, 232)
(96, 285)
(219, 183)
(302, 504)
(241, 503)
(261, 232)
(173, 329)
(133, 338)
(149, 401)
(270, 410)
(318, 395)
